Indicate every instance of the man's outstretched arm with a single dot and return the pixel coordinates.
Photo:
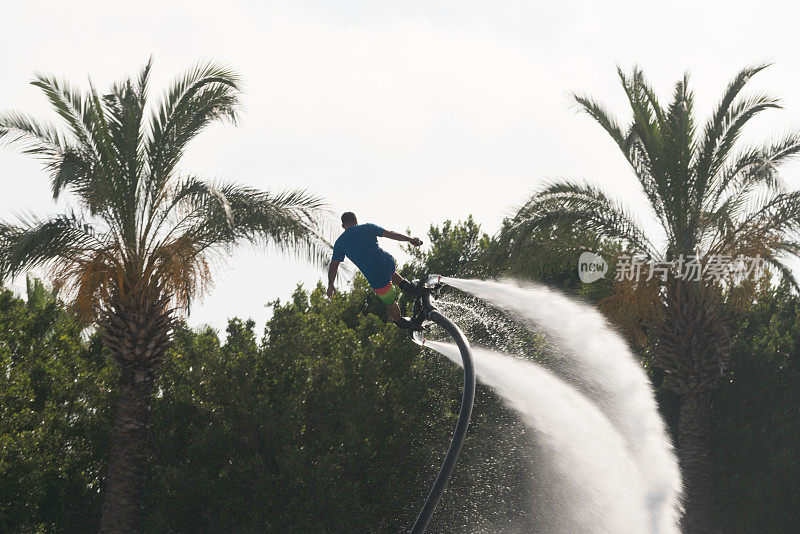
(401, 237)
(332, 270)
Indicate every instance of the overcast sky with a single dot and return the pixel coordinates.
(408, 113)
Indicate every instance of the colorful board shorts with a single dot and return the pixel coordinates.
(388, 294)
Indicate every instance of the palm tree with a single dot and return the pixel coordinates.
(138, 246)
(711, 198)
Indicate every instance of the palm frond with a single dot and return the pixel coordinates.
(143, 82)
(71, 106)
(735, 121)
(584, 207)
(207, 93)
(125, 113)
(750, 170)
(40, 241)
(205, 218)
(648, 96)
(183, 268)
(676, 155)
(648, 117)
(185, 206)
(774, 215)
(632, 306)
(716, 127)
(786, 273)
(288, 221)
(644, 143)
(630, 146)
(85, 121)
(679, 126)
(603, 118)
(34, 137)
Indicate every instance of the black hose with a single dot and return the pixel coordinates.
(467, 399)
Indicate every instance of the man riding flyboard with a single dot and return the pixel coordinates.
(359, 242)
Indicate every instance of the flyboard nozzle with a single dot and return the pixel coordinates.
(427, 289)
(432, 280)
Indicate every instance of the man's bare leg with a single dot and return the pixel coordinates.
(393, 309)
(394, 312)
(404, 285)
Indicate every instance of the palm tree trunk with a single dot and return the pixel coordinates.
(137, 332)
(692, 348)
(694, 445)
(127, 461)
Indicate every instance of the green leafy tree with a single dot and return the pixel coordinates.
(335, 422)
(141, 242)
(711, 197)
(755, 414)
(38, 295)
(456, 249)
(56, 411)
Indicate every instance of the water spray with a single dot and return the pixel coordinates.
(604, 459)
(605, 456)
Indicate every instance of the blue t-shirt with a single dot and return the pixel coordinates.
(360, 244)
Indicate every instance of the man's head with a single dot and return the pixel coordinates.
(348, 219)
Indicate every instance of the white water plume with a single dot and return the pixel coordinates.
(594, 411)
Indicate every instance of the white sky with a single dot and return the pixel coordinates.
(407, 113)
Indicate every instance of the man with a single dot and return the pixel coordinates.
(359, 242)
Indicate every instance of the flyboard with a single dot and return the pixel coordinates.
(428, 289)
